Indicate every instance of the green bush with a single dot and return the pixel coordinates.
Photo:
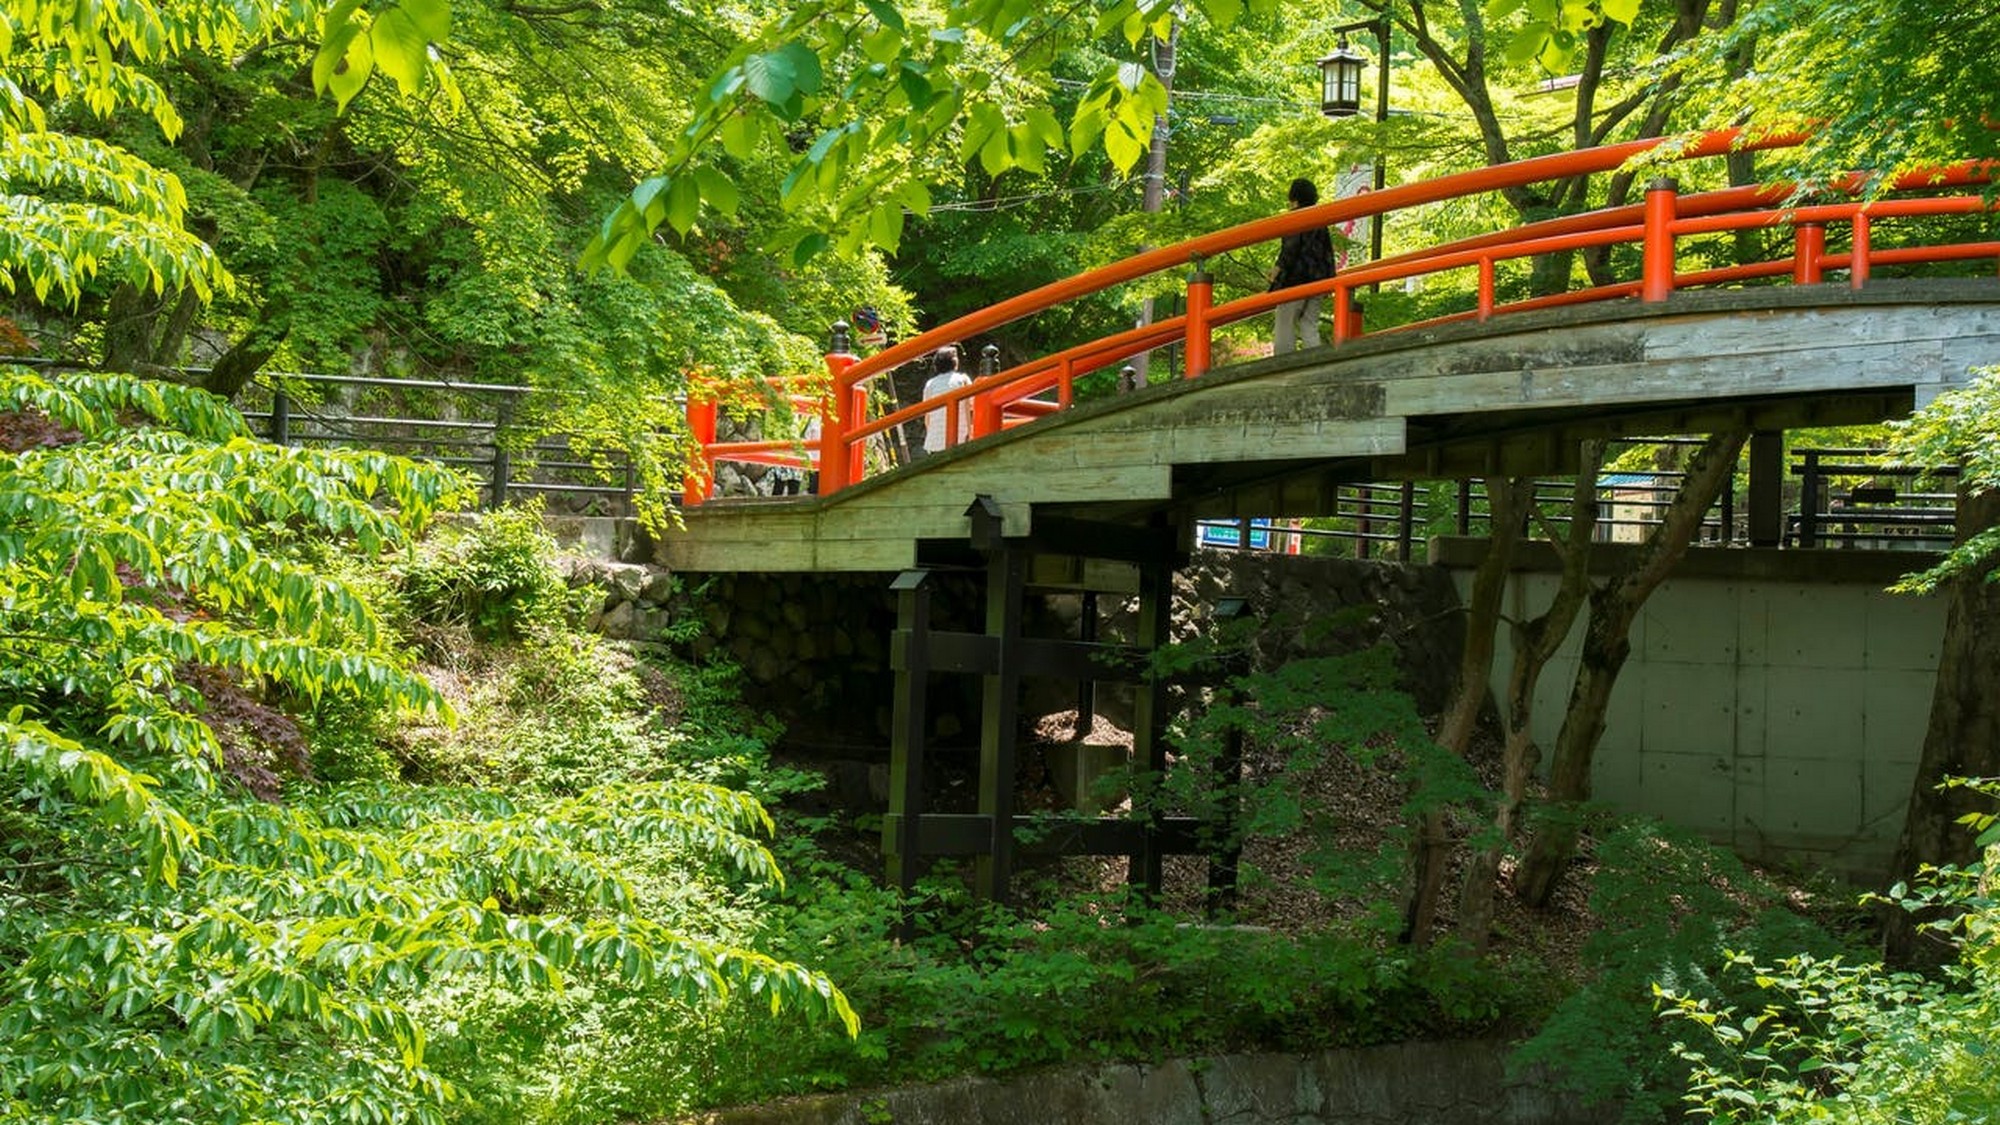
(1810, 1038)
(493, 573)
(1670, 908)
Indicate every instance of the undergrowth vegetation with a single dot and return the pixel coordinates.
(318, 819)
(1080, 970)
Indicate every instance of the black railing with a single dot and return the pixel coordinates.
(1843, 498)
(476, 427)
(1857, 498)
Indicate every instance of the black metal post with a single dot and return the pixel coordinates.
(503, 462)
(1408, 519)
(281, 416)
(1810, 487)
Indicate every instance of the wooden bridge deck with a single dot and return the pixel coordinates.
(1272, 437)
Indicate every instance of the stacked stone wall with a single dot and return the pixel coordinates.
(814, 649)
(1402, 1084)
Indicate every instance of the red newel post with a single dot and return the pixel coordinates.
(1346, 315)
(1809, 245)
(1200, 298)
(1857, 267)
(836, 468)
(987, 416)
(1657, 270)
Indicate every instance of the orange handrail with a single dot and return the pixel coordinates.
(1655, 225)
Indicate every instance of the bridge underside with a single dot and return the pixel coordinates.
(1275, 436)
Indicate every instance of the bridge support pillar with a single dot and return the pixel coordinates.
(1767, 488)
(1061, 554)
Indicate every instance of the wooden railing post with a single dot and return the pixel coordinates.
(1657, 261)
(1808, 247)
(1200, 298)
(837, 467)
(701, 466)
(986, 410)
(1346, 315)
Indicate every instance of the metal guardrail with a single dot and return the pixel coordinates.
(472, 426)
(1852, 499)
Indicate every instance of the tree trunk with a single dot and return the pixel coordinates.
(1606, 644)
(1535, 643)
(1507, 505)
(1961, 740)
(1153, 192)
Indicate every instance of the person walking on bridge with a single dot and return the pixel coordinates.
(948, 378)
(1302, 258)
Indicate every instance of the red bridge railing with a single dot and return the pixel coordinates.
(1656, 226)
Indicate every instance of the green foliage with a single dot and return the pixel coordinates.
(177, 949)
(1817, 64)
(880, 95)
(1088, 977)
(493, 574)
(1961, 429)
(1670, 909)
(1813, 1038)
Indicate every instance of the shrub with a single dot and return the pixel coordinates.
(493, 573)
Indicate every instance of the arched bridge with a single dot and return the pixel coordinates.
(1735, 306)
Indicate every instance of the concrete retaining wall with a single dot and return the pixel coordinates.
(1403, 1084)
(1774, 701)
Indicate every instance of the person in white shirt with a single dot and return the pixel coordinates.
(948, 378)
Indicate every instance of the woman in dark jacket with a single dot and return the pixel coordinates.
(1303, 257)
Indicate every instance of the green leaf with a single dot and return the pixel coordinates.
(916, 86)
(885, 13)
(432, 17)
(983, 121)
(739, 135)
(772, 76)
(1124, 142)
(914, 196)
(1223, 13)
(885, 226)
(882, 45)
(1025, 150)
(1043, 126)
(718, 189)
(1526, 44)
(683, 203)
(996, 155)
(808, 248)
(401, 49)
(1086, 127)
(352, 72)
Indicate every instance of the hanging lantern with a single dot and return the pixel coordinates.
(1340, 81)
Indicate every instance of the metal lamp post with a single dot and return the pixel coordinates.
(1340, 96)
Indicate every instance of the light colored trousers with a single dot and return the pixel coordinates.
(1298, 325)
